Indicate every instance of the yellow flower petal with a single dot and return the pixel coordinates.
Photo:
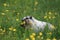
(23, 23)
(3, 13)
(27, 39)
(17, 13)
(45, 17)
(49, 17)
(14, 30)
(48, 39)
(54, 39)
(53, 27)
(6, 10)
(33, 38)
(4, 30)
(50, 13)
(17, 19)
(41, 37)
(33, 34)
(36, 3)
(10, 28)
(40, 34)
(5, 4)
(1, 29)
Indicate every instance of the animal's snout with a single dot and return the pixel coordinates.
(26, 21)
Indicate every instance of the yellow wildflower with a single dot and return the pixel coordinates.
(14, 29)
(27, 39)
(52, 27)
(1, 29)
(3, 13)
(33, 38)
(17, 19)
(45, 17)
(10, 28)
(49, 17)
(36, 3)
(33, 34)
(23, 23)
(4, 30)
(41, 37)
(48, 39)
(17, 13)
(5, 4)
(40, 34)
(6, 10)
(54, 39)
(50, 13)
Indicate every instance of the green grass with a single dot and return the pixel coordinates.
(12, 11)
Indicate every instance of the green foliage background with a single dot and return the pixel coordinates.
(11, 10)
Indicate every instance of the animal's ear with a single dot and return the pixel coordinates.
(30, 17)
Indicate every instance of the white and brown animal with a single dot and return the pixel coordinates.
(36, 25)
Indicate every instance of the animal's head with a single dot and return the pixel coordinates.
(28, 20)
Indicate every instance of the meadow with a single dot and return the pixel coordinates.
(12, 11)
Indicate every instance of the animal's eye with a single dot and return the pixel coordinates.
(31, 17)
(26, 18)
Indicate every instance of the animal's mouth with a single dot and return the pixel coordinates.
(24, 24)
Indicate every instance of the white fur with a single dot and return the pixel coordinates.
(37, 25)
(40, 25)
